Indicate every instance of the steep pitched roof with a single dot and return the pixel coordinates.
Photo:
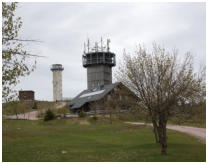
(91, 95)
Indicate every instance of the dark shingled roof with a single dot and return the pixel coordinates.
(90, 95)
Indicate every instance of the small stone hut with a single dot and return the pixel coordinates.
(26, 95)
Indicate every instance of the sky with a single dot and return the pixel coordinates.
(63, 28)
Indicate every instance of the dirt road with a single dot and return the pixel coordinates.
(27, 116)
(60, 105)
(200, 133)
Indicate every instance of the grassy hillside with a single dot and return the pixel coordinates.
(194, 115)
(190, 115)
(11, 107)
(84, 140)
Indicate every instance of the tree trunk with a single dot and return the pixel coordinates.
(160, 131)
(155, 128)
(163, 136)
(16, 113)
(110, 117)
(164, 141)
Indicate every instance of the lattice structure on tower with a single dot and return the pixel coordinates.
(99, 62)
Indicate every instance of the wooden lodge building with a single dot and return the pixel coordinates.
(115, 96)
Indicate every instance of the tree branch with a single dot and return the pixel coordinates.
(19, 53)
(21, 40)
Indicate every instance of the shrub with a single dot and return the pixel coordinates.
(82, 114)
(63, 110)
(35, 106)
(49, 115)
(94, 118)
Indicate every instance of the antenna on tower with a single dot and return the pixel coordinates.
(108, 46)
(88, 45)
(96, 47)
(101, 44)
(84, 48)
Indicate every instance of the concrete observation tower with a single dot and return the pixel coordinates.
(57, 81)
(99, 62)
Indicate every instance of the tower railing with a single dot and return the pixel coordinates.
(57, 67)
(109, 61)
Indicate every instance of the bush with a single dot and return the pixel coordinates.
(35, 106)
(82, 114)
(63, 110)
(49, 115)
(94, 118)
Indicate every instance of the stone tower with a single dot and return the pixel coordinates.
(57, 81)
(99, 62)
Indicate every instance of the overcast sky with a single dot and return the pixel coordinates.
(63, 28)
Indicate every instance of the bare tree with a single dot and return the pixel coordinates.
(162, 82)
(95, 106)
(111, 104)
(15, 108)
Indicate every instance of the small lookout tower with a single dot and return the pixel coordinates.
(57, 81)
(99, 62)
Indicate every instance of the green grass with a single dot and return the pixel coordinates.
(83, 141)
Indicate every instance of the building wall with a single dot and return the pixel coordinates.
(120, 98)
(26, 95)
(98, 75)
(57, 85)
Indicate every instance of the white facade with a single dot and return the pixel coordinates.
(57, 85)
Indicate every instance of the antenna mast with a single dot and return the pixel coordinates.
(101, 44)
(84, 48)
(88, 45)
(108, 45)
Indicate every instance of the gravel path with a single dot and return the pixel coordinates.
(27, 116)
(60, 105)
(200, 133)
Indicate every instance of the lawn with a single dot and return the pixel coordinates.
(83, 140)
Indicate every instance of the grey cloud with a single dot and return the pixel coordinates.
(63, 27)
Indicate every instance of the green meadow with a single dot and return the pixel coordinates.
(83, 139)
